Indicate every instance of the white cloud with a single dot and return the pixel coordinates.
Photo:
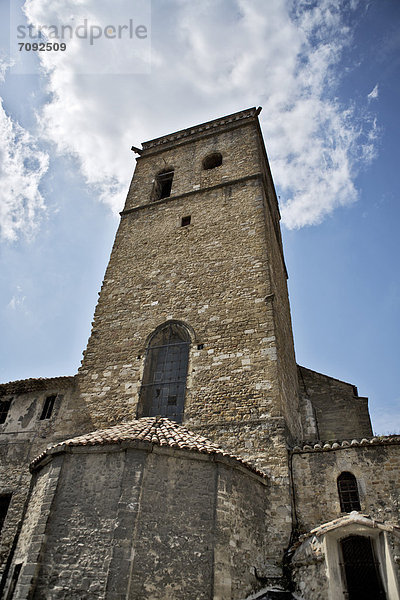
(22, 166)
(17, 302)
(211, 58)
(373, 95)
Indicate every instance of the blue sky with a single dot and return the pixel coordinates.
(327, 75)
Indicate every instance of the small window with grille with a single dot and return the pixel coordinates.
(4, 408)
(348, 492)
(48, 407)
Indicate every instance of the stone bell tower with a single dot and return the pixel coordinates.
(193, 320)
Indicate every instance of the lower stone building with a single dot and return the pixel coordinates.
(190, 457)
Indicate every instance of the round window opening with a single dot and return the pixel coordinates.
(212, 160)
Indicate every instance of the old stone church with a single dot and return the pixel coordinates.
(191, 458)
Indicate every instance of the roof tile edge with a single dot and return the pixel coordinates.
(379, 440)
(22, 386)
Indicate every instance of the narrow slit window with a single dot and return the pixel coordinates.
(212, 161)
(48, 407)
(5, 500)
(14, 581)
(185, 221)
(348, 492)
(163, 185)
(4, 408)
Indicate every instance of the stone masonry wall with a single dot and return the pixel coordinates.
(376, 468)
(174, 538)
(154, 524)
(338, 412)
(223, 276)
(279, 300)
(216, 276)
(79, 534)
(243, 506)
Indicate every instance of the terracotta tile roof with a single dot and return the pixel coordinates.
(380, 440)
(151, 430)
(23, 386)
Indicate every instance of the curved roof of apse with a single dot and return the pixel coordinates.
(148, 430)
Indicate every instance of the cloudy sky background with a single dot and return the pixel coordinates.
(326, 73)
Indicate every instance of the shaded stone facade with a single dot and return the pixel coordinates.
(254, 510)
(332, 408)
(23, 435)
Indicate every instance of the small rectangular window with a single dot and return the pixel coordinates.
(5, 500)
(166, 184)
(185, 221)
(162, 185)
(4, 408)
(48, 407)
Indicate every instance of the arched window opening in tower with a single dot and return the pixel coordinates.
(165, 373)
(212, 160)
(348, 492)
(162, 184)
(361, 569)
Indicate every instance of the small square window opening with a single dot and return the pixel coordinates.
(185, 221)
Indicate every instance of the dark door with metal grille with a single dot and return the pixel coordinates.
(164, 380)
(363, 580)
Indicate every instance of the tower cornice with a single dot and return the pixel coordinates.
(204, 128)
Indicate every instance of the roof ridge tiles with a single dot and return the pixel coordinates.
(321, 446)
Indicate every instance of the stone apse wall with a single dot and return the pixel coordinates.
(144, 522)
